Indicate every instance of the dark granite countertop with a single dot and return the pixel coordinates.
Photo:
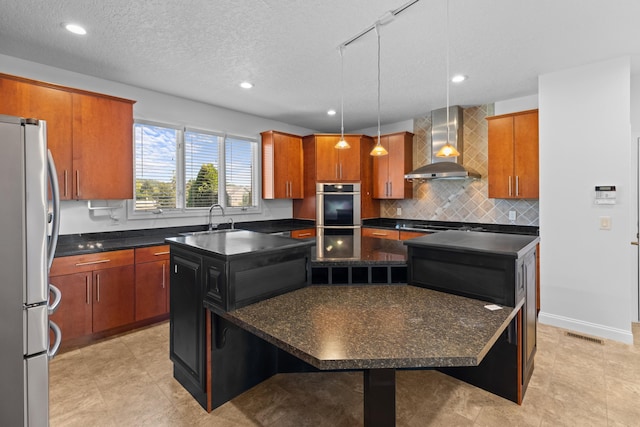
(436, 226)
(78, 244)
(512, 245)
(372, 327)
(230, 243)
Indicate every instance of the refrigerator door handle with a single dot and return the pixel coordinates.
(57, 296)
(56, 345)
(55, 202)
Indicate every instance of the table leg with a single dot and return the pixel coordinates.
(379, 397)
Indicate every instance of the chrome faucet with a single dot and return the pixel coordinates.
(211, 211)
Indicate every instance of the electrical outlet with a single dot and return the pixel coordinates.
(605, 223)
(398, 211)
(512, 215)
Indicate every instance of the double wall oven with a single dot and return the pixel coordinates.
(338, 220)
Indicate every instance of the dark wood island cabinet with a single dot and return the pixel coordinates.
(226, 269)
(494, 267)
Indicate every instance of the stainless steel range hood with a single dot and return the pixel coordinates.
(445, 167)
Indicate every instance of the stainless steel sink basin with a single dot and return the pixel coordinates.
(204, 233)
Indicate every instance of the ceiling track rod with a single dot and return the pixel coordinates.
(384, 19)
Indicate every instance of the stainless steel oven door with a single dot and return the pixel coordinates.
(338, 205)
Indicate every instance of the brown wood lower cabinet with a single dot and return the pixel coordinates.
(97, 293)
(152, 282)
(113, 298)
(381, 233)
(74, 312)
(386, 233)
(303, 234)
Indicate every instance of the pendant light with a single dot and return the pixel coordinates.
(342, 144)
(378, 149)
(448, 150)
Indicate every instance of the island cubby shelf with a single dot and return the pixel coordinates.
(358, 274)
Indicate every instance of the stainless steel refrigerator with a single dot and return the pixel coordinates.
(29, 225)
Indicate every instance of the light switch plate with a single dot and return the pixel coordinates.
(398, 211)
(512, 215)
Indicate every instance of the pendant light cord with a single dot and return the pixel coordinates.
(341, 93)
(378, 37)
(447, 67)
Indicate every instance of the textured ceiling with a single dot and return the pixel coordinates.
(202, 49)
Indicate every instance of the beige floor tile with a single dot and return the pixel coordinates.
(128, 381)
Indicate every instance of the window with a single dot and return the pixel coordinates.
(201, 166)
(183, 171)
(155, 168)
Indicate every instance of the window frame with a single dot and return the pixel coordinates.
(181, 211)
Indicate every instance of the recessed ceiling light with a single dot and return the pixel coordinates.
(458, 78)
(246, 85)
(331, 112)
(75, 29)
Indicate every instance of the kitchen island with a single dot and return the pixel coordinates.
(373, 328)
(226, 269)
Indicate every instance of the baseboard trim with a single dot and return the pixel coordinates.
(607, 332)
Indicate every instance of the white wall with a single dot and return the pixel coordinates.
(516, 104)
(159, 107)
(586, 273)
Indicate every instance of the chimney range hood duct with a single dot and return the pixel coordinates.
(445, 167)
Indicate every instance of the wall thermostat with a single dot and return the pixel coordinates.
(605, 195)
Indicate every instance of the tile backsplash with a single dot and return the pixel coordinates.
(459, 200)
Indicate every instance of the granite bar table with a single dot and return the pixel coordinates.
(376, 329)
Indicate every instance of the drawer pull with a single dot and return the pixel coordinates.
(304, 234)
(161, 253)
(379, 234)
(100, 261)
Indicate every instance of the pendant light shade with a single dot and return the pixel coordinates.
(378, 149)
(342, 144)
(448, 150)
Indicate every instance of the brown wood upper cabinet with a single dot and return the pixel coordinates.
(325, 163)
(388, 171)
(333, 164)
(281, 166)
(513, 156)
(89, 135)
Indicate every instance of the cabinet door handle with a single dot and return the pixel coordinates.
(510, 185)
(66, 179)
(163, 275)
(390, 188)
(337, 173)
(161, 253)
(97, 287)
(517, 185)
(87, 290)
(100, 261)
(77, 183)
